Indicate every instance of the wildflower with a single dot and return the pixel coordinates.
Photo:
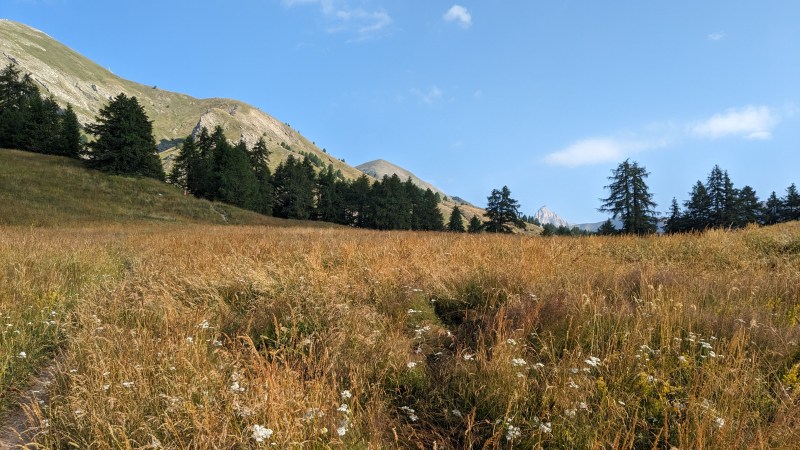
(236, 388)
(546, 427)
(512, 432)
(313, 413)
(411, 364)
(343, 408)
(261, 433)
(518, 362)
(572, 384)
(217, 343)
(190, 339)
(583, 405)
(511, 342)
(413, 311)
(571, 413)
(346, 394)
(22, 355)
(341, 431)
(106, 387)
(682, 359)
(593, 361)
(457, 413)
(538, 366)
(203, 325)
(719, 422)
(127, 384)
(712, 354)
(469, 356)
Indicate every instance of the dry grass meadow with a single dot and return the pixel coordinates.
(192, 336)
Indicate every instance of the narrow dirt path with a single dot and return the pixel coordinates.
(18, 427)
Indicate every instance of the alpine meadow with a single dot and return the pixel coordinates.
(187, 273)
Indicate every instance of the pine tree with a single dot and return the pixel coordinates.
(237, 184)
(329, 201)
(430, 218)
(393, 208)
(475, 225)
(675, 223)
(293, 185)
(748, 208)
(124, 142)
(698, 208)
(629, 199)
(259, 158)
(199, 170)
(456, 222)
(503, 212)
(70, 138)
(607, 228)
(358, 203)
(771, 213)
(179, 175)
(791, 204)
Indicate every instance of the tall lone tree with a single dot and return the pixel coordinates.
(124, 142)
(503, 212)
(629, 199)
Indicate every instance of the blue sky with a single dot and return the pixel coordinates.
(545, 97)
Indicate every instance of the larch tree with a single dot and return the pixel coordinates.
(502, 211)
(629, 199)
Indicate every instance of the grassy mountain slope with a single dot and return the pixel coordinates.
(72, 78)
(42, 190)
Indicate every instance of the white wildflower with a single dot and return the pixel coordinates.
(341, 431)
(22, 355)
(546, 427)
(538, 366)
(413, 311)
(719, 422)
(571, 413)
(511, 342)
(583, 405)
(236, 388)
(682, 359)
(190, 340)
(411, 364)
(518, 362)
(572, 384)
(203, 325)
(457, 413)
(468, 356)
(346, 394)
(593, 361)
(127, 384)
(343, 408)
(261, 433)
(512, 432)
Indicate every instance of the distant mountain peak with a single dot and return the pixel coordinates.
(544, 215)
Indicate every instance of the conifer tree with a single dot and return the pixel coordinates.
(607, 228)
(124, 142)
(773, 207)
(748, 207)
(475, 225)
(70, 139)
(430, 218)
(237, 184)
(259, 158)
(181, 168)
(629, 199)
(675, 222)
(359, 203)
(456, 222)
(503, 212)
(791, 204)
(293, 185)
(698, 208)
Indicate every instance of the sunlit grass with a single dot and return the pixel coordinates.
(229, 337)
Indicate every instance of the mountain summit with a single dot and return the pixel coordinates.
(544, 215)
(380, 168)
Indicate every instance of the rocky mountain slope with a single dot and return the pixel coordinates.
(71, 78)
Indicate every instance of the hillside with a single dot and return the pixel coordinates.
(71, 78)
(380, 168)
(40, 190)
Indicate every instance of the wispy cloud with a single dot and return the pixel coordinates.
(428, 97)
(750, 122)
(599, 150)
(458, 14)
(716, 36)
(342, 17)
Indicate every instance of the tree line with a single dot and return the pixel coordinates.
(210, 167)
(717, 203)
(32, 122)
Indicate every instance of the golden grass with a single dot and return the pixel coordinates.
(189, 336)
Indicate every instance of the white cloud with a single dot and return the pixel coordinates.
(458, 14)
(716, 36)
(344, 18)
(750, 122)
(428, 97)
(598, 150)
